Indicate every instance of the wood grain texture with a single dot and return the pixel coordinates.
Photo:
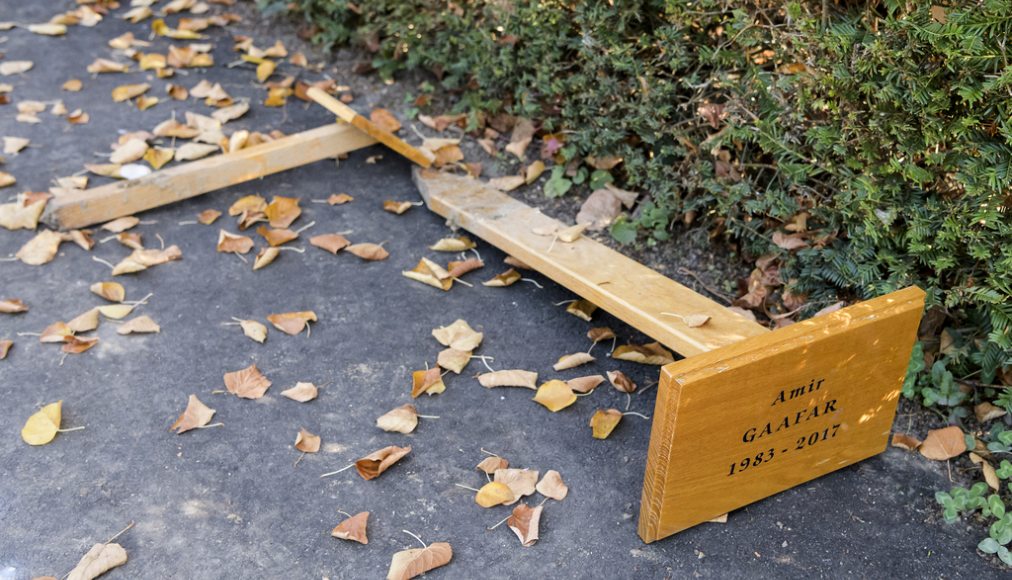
(807, 399)
(349, 115)
(101, 204)
(623, 287)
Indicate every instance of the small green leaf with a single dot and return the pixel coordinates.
(988, 546)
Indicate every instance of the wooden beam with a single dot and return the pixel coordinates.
(348, 115)
(101, 204)
(630, 291)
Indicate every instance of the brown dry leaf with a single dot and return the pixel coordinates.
(306, 442)
(127, 92)
(551, 485)
(600, 333)
(265, 69)
(196, 414)
(604, 422)
(141, 260)
(56, 332)
(403, 419)
(208, 216)
(984, 411)
(353, 528)
(407, 564)
(231, 113)
(176, 92)
(585, 384)
(277, 237)
(292, 322)
(523, 132)
(648, 354)
(427, 381)
(522, 482)
(904, 441)
(695, 320)
(192, 151)
(247, 383)
(339, 199)
(583, 309)
(140, 325)
(22, 213)
(430, 273)
(373, 465)
(12, 306)
(507, 278)
(385, 120)
(456, 269)
(277, 96)
(942, 444)
(5, 347)
(253, 329)
(234, 243)
(248, 204)
(145, 102)
(397, 207)
(494, 493)
(789, 241)
(524, 522)
(571, 234)
(458, 244)
(301, 392)
(72, 85)
(41, 249)
(454, 360)
(76, 345)
(85, 322)
(555, 395)
(104, 65)
(458, 335)
(121, 224)
(157, 157)
(599, 209)
(507, 182)
(621, 382)
(100, 559)
(6, 180)
(492, 464)
(111, 291)
(534, 171)
(573, 360)
(369, 252)
(332, 243)
(509, 378)
(48, 29)
(282, 211)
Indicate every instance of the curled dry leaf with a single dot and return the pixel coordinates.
(100, 559)
(369, 252)
(648, 354)
(196, 414)
(127, 92)
(430, 273)
(573, 360)
(158, 157)
(604, 422)
(141, 260)
(132, 150)
(77, 345)
(397, 207)
(42, 427)
(306, 442)
(492, 464)
(494, 493)
(282, 211)
(942, 444)
(507, 278)
(248, 204)
(581, 309)
(116, 311)
(301, 392)
(555, 395)
(208, 216)
(292, 322)
(12, 306)
(234, 243)
(407, 564)
(231, 113)
(193, 151)
(524, 522)
(585, 384)
(339, 199)
(56, 332)
(253, 330)
(551, 485)
(454, 360)
(385, 120)
(509, 378)
(13, 145)
(247, 383)
(140, 325)
(5, 347)
(621, 382)
(456, 269)
(111, 291)
(332, 243)
(353, 528)
(904, 441)
(522, 482)
(265, 257)
(373, 465)
(427, 381)
(984, 411)
(85, 322)
(459, 244)
(458, 335)
(402, 419)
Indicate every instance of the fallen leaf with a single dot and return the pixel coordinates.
(85, 322)
(507, 182)
(42, 427)
(407, 564)
(648, 354)
(116, 311)
(13, 145)
(6, 180)
(507, 278)
(583, 309)
(585, 384)
(247, 383)
(551, 485)
(456, 269)
(234, 243)
(430, 273)
(524, 522)
(282, 211)
(426, 382)
(600, 333)
(521, 482)
(56, 332)
(385, 120)
(494, 493)
(131, 151)
(509, 378)
(196, 414)
(460, 244)
(555, 395)
(904, 441)
(100, 559)
(12, 306)
(789, 241)
(373, 465)
(571, 234)
(141, 260)
(77, 345)
(127, 92)
(984, 411)
(306, 442)
(332, 243)
(22, 213)
(72, 85)
(402, 419)
(265, 69)
(370, 252)
(41, 249)
(695, 320)
(491, 464)
(292, 322)
(14, 67)
(454, 360)
(339, 198)
(621, 382)
(573, 360)
(231, 113)
(604, 422)
(353, 528)
(277, 237)
(523, 132)
(120, 224)
(459, 335)
(942, 444)
(5, 347)
(599, 210)
(301, 392)
(140, 325)
(111, 291)
(191, 151)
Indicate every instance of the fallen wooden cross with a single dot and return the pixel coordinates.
(747, 414)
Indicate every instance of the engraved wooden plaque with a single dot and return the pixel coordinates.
(745, 421)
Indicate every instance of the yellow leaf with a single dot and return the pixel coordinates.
(42, 427)
(158, 156)
(604, 422)
(116, 311)
(494, 493)
(555, 395)
(127, 92)
(48, 29)
(265, 69)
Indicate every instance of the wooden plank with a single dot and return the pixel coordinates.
(101, 204)
(743, 422)
(625, 288)
(348, 115)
